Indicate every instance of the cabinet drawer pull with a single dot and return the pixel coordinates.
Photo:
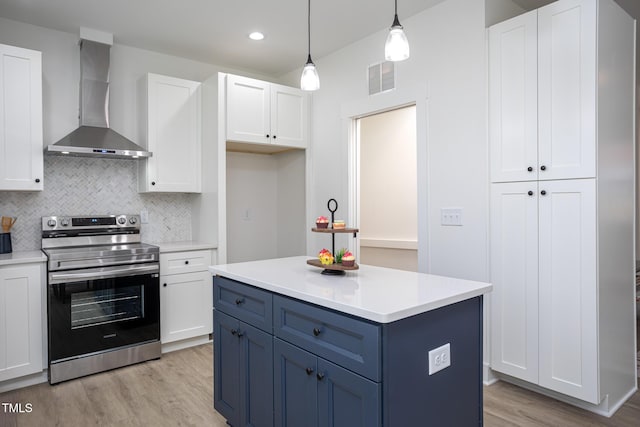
(274, 137)
(530, 193)
(240, 334)
(153, 183)
(530, 169)
(164, 284)
(544, 193)
(316, 331)
(37, 180)
(309, 371)
(234, 332)
(186, 262)
(239, 301)
(267, 135)
(320, 376)
(543, 168)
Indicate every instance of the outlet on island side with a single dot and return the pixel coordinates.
(439, 358)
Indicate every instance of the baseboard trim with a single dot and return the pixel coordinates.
(186, 343)
(26, 381)
(605, 408)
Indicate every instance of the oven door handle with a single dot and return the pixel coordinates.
(102, 273)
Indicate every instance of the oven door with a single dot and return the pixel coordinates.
(98, 309)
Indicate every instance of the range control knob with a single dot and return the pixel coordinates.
(51, 223)
(122, 220)
(64, 222)
(133, 220)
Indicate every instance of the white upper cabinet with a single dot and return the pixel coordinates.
(266, 113)
(21, 149)
(513, 128)
(567, 90)
(542, 71)
(172, 131)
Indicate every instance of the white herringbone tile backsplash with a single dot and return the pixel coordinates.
(88, 186)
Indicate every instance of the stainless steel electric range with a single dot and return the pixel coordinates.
(103, 294)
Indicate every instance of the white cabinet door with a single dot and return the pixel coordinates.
(21, 149)
(513, 99)
(567, 85)
(186, 303)
(21, 313)
(289, 110)
(248, 110)
(568, 288)
(514, 274)
(173, 136)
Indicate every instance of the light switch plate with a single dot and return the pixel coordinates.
(439, 358)
(451, 216)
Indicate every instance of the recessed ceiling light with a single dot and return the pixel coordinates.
(256, 35)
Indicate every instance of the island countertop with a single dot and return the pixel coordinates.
(379, 294)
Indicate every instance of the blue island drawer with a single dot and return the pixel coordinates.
(249, 304)
(349, 342)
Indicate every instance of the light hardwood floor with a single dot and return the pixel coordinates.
(177, 390)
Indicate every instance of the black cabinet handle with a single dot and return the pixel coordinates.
(234, 332)
(37, 180)
(530, 193)
(153, 183)
(186, 262)
(309, 371)
(544, 193)
(239, 301)
(320, 376)
(274, 137)
(316, 331)
(165, 285)
(267, 135)
(240, 334)
(530, 169)
(543, 168)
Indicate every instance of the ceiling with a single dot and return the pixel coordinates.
(216, 31)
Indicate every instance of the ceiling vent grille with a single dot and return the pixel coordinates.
(382, 77)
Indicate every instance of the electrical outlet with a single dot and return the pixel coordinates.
(144, 216)
(247, 215)
(439, 358)
(451, 216)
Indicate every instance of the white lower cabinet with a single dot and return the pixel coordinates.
(186, 295)
(544, 302)
(21, 311)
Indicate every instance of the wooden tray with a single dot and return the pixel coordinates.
(336, 267)
(334, 230)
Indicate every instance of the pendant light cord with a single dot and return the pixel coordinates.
(309, 29)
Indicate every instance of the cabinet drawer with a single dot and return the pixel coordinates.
(184, 262)
(249, 304)
(351, 343)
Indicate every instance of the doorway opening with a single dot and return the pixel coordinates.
(387, 188)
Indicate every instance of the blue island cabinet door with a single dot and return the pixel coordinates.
(345, 399)
(296, 392)
(256, 377)
(226, 367)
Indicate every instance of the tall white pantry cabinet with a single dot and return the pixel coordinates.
(561, 128)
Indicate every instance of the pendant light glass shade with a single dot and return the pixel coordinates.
(397, 46)
(309, 80)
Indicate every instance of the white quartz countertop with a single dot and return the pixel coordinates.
(187, 245)
(25, 257)
(380, 294)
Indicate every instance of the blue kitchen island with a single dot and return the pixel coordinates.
(375, 347)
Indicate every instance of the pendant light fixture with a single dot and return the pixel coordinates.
(397, 46)
(309, 79)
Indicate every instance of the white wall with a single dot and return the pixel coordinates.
(448, 64)
(265, 205)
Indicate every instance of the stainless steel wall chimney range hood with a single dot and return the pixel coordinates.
(94, 138)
